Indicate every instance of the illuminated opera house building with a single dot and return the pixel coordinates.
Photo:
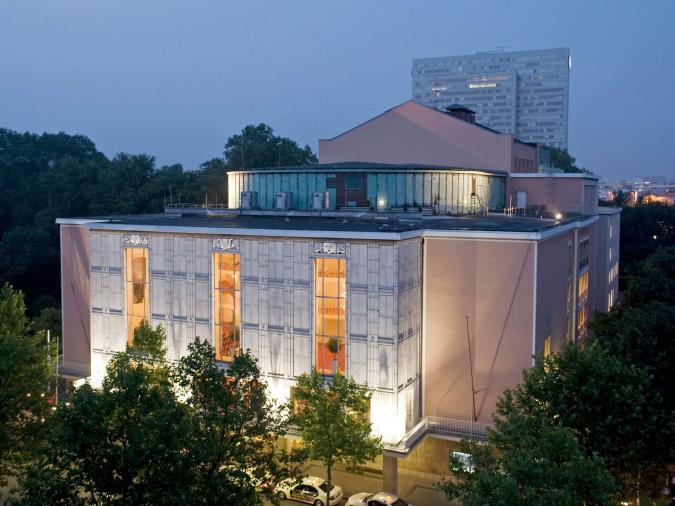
(424, 256)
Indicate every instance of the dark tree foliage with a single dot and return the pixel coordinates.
(137, 440)
(562, 160)
(257, 146)
(125, 443)
(640, 329)
(233, 447)
(49, 176)
(644, 229)
(608, 405)
(25, 384)
(46, 176)
(528, 461)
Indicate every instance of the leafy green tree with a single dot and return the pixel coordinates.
(653, 279)
(609, 406)
(642, 336)
(257, 146)
(125, 443)
(25, 362)
(331, 416)
(233, 448)
(640, 330)
(528, 461)
(563, 161)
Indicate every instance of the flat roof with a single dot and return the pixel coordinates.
(366, 166)
(372, 225)
(556, 175)
(494, 54)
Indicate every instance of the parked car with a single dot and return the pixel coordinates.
(310, 490)
(379, 499)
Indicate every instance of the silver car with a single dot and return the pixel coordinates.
(379, 499)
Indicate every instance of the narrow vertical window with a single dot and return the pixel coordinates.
(227, 303)
(582, 314)
(583, 286)
(329, 322)
(547, 347)
(137, 289)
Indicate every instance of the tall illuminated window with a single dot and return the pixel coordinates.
(582, 315)
(137, 289)
(583, 286)
(329, 322)
(227, 305)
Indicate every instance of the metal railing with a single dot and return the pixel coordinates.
(442, 427)
(190, 205)
(448, 426)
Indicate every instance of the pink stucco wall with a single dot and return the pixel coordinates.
(75, 292)
(525, 152)
(491, 282)
(413, 133)
(564, 194)
(554, 258)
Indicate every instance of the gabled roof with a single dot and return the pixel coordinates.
(408, 102)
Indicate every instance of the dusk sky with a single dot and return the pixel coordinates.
(175, 78)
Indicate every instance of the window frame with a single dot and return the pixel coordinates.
(233, 292)
(338, 299)
(129, 284)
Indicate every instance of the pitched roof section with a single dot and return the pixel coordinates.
(411, 133)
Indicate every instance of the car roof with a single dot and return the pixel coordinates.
(313, 480)
(385, 497)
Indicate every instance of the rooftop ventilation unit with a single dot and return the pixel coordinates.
(249, 200)
(283, 200)
(320, 200)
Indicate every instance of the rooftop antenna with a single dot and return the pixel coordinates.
(500, 49)
(473, 389)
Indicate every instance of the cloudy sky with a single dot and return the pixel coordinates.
(175, 78)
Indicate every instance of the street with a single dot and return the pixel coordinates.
(417, 490)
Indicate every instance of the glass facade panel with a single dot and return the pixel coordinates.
(137, 289)
(448, 192)
(227, 305)
(329, 324)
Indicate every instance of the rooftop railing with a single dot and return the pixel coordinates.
(190, 205)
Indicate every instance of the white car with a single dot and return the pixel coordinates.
(379, 499)
(311, 490)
